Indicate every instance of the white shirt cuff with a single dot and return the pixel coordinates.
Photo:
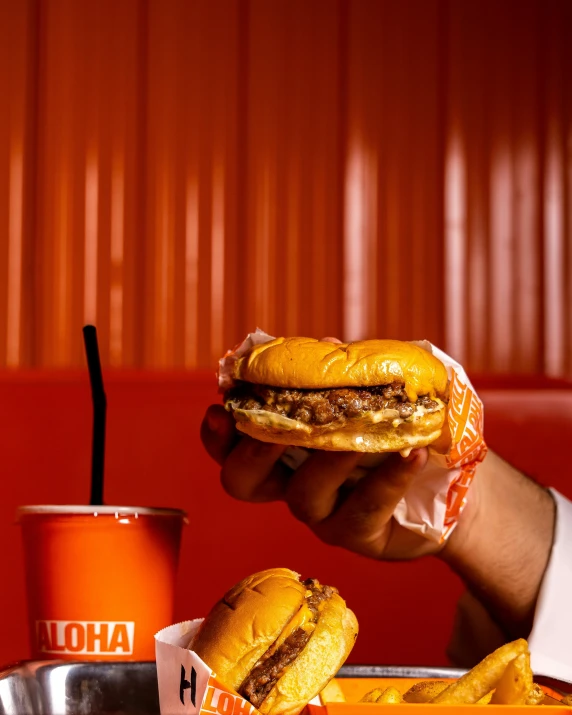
(550, 641)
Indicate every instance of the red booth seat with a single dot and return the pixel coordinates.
(154, 457)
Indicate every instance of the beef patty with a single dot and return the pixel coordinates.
(321, 407)
(268, 670)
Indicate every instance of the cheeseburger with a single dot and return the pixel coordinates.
(366, 396)
(277, 640)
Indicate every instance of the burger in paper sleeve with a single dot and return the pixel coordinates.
(271, 645)
(367, 396)
(276, 640)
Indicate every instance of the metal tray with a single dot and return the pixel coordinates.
(58, 688)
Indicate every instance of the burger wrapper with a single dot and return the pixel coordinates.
(434, 502)
(186, 684)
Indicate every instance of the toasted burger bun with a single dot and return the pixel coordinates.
(252, 621)
(389, 434)
(308, 364)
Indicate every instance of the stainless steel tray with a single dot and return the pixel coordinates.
(57, 688)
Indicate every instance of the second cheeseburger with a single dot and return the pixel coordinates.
(366, 396)
(277, 640)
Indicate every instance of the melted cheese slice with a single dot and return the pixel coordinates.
(304, 619)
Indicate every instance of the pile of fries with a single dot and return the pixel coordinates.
(502, 678)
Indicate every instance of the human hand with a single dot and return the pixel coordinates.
(357, 516)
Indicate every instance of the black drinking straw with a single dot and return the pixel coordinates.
(99, 412)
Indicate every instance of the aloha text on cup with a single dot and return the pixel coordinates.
(86, 637)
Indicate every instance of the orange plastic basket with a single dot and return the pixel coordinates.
(355, 688)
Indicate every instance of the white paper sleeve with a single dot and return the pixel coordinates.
(187, 686)
(550, 641)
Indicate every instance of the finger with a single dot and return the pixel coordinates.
(218, 432)
(312, 490)
(252, 472)
(330, 340)
(363, 517)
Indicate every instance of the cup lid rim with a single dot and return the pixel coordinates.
(86, 510)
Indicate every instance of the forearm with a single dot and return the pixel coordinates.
(502, 543)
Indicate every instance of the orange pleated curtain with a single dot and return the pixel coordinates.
(181, 171)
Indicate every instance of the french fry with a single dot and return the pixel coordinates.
(424, 691)
(502, 678)
(390, 696)
(332, 693)
(483, 678)
(535, 696)
(486, 699)
(566, 700)
(372, 696)
(515, 683)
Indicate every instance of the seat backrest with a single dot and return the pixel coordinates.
(529, 422)
(155, 457)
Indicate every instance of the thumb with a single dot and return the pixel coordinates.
(218, 432)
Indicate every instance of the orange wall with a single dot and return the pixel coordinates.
(181, 171)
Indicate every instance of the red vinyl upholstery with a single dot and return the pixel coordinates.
(154, 457)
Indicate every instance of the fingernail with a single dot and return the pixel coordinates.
(263, 448)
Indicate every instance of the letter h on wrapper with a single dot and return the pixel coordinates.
(187, 686)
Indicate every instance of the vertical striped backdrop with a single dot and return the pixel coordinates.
(181, 171)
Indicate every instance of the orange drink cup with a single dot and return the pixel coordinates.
(100, 580)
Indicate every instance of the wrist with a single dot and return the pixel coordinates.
(502, 543)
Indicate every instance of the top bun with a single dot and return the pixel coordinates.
(249, 627)
(306, 363)
(246, 621)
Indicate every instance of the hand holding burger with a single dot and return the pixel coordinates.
(509, 519)
(317, 492)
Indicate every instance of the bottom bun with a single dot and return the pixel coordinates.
(325, 653)
(374, 432)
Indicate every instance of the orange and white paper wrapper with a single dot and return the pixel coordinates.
(187, 686)
(433, 504)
